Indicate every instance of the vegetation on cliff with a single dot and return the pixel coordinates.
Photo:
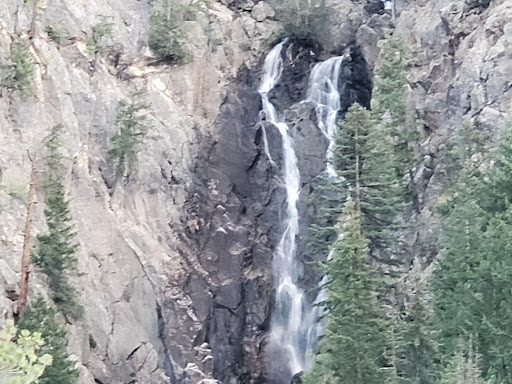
(42, 318)
(55, 250)
(19, 359)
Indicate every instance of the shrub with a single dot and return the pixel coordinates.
(100, 33)
(18, 360)
(301, 19)
(18, 72)
(133, 126)
(40, 317)
(56, 33)
(167, 35)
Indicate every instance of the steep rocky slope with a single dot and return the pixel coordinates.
(175, 264)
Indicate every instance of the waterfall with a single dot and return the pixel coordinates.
(294, 329)
(324, 94)
(288, 331)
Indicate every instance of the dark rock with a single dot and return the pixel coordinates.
(356, 83)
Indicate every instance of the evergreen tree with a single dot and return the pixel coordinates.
(167, 34)
(389, 103)
(474, 271)
(462, 153)
(463, 367)
(18, 72)
(417, 350)
(364, 157)
(327, 200)
(55, 251)
(40, 317)
(133, 126)
(355, 341)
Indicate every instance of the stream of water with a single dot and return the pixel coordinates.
(294, 327)
(288, 331)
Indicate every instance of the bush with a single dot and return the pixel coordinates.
(302, 19)
(100, 33)
(18, 72)
(167, 35)
(56, 33)
(133, 126)
(40, 317)
(18, 360)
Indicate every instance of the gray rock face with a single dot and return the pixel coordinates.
(175, 264)
(146, 289)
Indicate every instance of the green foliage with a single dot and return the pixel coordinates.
(40, 317)
(464, 366)
(133, 126)
(19, 361)
(355, 342)
(389, 102)
(167, 35)
(327, 199)
(55, 252)
(17, 74)
(301, 19)
(100, 34)
(56, 33)
(417, 355)
(365, 157)
(17, 189)
(472, 279)
(464, 152)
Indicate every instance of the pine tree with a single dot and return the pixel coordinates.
(349, 153)
(383, 194)
(472, 279)
(18, 73)
(355, 342)
(40, 317)
(464, 366)
(327, 200)
(417, 350)
(462, 153)
(55, 251)
(389, 102)
(133, 127)
(364, 157)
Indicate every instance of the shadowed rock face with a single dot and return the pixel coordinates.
(238, 200)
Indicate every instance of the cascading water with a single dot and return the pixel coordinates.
(294, 328)
(324, 94)
(288, 331)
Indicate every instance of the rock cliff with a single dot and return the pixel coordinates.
(175, 261)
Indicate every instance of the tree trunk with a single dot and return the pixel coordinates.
(25, 260)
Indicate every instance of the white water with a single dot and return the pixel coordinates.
(288, 331)
(323, 92)
(294, 326)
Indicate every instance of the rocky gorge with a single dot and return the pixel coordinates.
(175, 261)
